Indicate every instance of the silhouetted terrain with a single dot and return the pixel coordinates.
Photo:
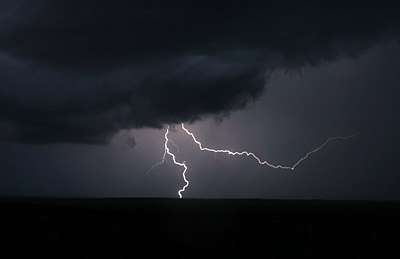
(93, 228)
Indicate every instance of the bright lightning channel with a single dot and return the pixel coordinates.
(234, 153)
(183, 164)
(229, 152)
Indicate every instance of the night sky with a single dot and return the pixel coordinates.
(87, 89)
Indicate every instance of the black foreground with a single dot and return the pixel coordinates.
(160, 228)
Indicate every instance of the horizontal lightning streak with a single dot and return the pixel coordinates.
(321, 147)
(234, 153)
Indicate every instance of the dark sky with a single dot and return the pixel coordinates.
(87, 89)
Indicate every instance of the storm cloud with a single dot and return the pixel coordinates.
(81, 71)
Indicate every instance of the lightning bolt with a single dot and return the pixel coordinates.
(175, 145)
(163, 158)
(321, 147)
(241, 153)
(229, 152)
(183, 164)
(162, 161)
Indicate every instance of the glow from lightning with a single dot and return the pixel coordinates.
(321, 147)
(175, 145)
(162, 161)
(167, 151)
(163, 158)
(241, 153)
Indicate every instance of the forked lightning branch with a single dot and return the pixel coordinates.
(182, 164)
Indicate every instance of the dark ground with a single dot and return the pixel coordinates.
(140, 228)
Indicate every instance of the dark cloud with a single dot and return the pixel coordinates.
(80, 71)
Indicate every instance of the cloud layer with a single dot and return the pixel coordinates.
(79, 72)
